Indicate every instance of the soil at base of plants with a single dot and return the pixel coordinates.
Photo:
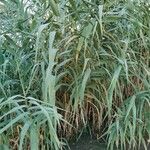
(86, 142)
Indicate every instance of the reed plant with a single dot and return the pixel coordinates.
(67, 65)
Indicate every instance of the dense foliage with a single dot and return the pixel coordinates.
(70, 64)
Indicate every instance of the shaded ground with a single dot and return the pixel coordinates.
(87, 143)
(92, 145)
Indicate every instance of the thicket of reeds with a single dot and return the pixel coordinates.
(70, 64)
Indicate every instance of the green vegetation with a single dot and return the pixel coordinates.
(70, 64)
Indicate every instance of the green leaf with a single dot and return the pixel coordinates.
(111, 88)
(130, 106)
(54, 7)
(23, 134)
(34, 137)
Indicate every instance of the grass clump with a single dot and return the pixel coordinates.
(66, 65)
